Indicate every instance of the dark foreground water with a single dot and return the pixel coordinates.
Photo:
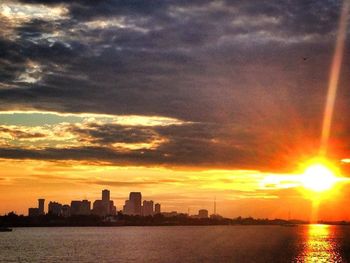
(314, 243)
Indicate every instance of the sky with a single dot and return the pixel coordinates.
(182, 100)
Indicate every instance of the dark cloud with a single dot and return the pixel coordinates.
(113, 133)
(191, 145)
(235, 68)
(19, 134)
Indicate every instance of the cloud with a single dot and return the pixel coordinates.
(225, 80)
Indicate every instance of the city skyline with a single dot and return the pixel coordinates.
(134, 206)
(186, 101)
(101, 207)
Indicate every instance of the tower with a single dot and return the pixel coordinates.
(157, 208)
(41, 205)
(135, 200)
(105, 195)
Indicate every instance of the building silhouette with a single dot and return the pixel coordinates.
(157, 209)
(32, 212)
(41, 206)
(136, 198)
(147, 208)
(128, 208)
(55, 208)
(133, 205)
(105, 206)
(66, 211)
(105, 195)
(80, 207)
(39, 210)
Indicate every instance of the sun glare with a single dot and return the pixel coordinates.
(318, 178)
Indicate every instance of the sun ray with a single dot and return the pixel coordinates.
(334, 77)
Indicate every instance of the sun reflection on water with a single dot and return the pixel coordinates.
(320, 245)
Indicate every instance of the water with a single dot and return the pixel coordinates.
(314, 243)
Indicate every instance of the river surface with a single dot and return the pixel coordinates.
(313, 243)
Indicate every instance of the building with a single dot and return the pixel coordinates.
(98, 208)
(133, 205)
(80, 207)
(85, 207)
(105, 206)
(203, 213)
(105, 195)
(37, 211)
(128, 208)
(157, 208)
(75, 207)
(55, 208)
(136, 198)
(32, 212)
(66, 211)
(147, 208)
(112, 208)
(41, 205)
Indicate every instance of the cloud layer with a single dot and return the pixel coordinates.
(245, 80)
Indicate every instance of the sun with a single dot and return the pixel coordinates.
(318, 177)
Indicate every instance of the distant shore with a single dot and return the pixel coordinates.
(13, 220)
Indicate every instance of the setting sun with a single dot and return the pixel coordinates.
(318, 178)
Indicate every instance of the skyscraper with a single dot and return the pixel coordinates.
(157, 208)
(106, 201)
(105, 195)
(105, 206)
(135, 199)
(41, 205)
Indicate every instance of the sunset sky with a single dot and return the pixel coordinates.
(184, 101)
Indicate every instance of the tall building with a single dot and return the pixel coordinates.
(135, 198)
(157, 208)
(105, 206)
(147, 208)
(41, 205)
(105, 195)
(55, 208)
(106, 201)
